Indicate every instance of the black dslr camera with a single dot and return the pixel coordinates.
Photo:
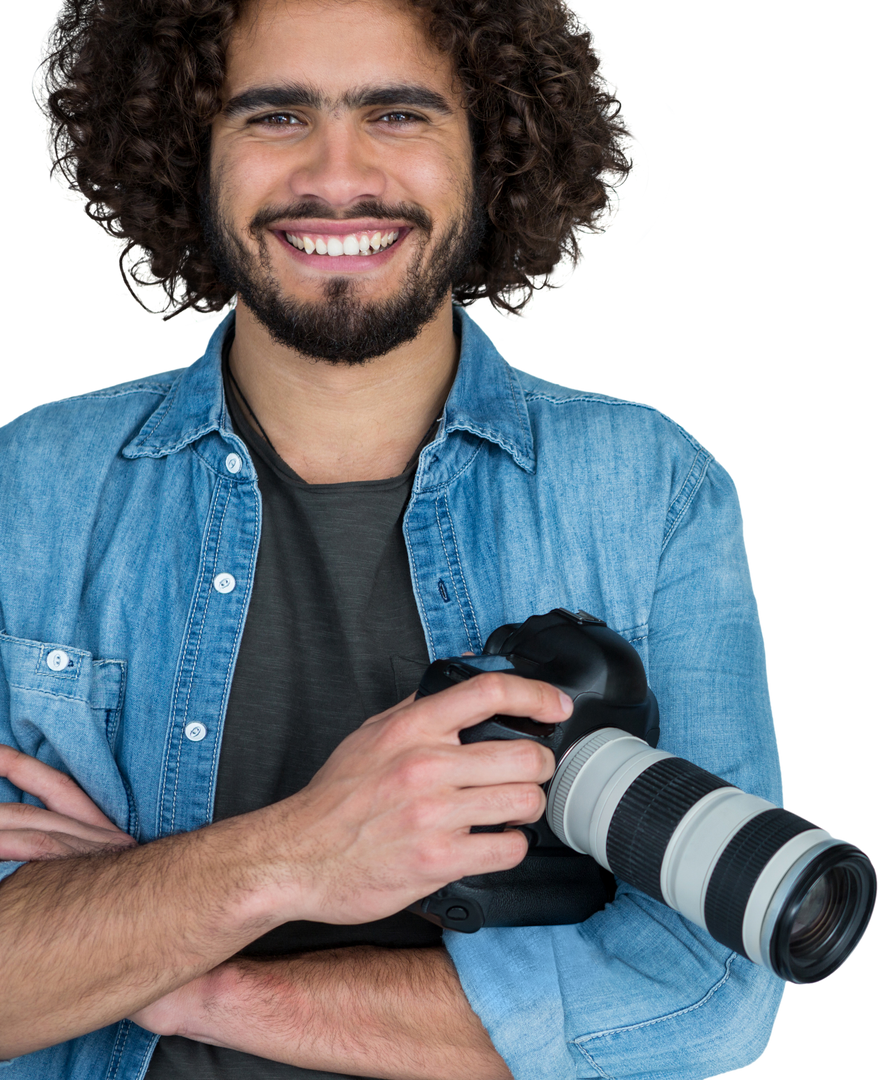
(760, 880)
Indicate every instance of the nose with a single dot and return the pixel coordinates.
(338, 165)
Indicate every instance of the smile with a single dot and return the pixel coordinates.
(363, 243)
(381, 245)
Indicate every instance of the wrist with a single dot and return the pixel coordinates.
(201, 1003)
(270, 879)
(238, 1005)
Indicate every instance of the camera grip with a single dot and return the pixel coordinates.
(544, 889)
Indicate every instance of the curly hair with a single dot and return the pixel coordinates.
(132, 87)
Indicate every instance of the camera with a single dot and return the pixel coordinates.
(761, 880)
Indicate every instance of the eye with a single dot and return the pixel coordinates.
(265, 120)
(414, 119)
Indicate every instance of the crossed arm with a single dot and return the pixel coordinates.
(400, 1013)
(365, 1011)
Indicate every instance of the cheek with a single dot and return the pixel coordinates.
(251, 180)
(435, 181)
(257, 172)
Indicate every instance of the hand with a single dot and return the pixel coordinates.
(176, 1012)
(387, 819)
(71, 824)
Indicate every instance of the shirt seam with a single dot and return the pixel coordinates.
(580, 1040)
(688, 498)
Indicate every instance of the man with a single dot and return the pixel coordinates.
(262, 553)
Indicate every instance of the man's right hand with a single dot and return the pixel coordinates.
(387, 819)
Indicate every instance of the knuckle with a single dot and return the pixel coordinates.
(49, 845)
(421, 816)
(497, 692)
(511, 848)
(491, 686)
(532, 757)
(416, 771)
(432, 859)
(537, 758)
(533, 801)
(42, 844)
(28, 813)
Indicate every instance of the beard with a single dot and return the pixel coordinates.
(342, 327)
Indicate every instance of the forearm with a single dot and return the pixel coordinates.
(87, 940)
(399, 1014)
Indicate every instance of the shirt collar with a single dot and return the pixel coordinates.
(486, 400)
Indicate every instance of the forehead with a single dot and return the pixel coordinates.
(334, 45)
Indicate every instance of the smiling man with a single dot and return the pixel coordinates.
(220, 792)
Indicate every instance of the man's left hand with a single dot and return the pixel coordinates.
(70, 824)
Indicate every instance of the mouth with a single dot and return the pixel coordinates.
(343, 264)
(333, 245)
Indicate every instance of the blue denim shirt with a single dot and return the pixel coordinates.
(129, 532)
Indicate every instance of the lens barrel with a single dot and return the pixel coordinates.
(762, 881)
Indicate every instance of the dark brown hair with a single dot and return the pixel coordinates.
(133, 86)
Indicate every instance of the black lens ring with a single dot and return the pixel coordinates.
(848, 927)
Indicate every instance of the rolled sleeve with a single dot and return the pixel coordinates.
(637, 990)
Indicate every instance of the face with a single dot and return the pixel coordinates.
(340, 205)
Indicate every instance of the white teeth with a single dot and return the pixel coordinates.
(352, 244)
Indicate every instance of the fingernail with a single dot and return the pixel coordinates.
(566, 701)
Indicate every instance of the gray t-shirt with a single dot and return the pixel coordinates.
(332, 637)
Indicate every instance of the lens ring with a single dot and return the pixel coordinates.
(805, 948)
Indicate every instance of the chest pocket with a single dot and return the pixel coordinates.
(64, 709)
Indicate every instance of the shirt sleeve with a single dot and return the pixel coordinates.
(637, 990)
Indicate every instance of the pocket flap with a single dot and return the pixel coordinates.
(54, 668)
(64, 708)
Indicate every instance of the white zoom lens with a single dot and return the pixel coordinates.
(760, 880)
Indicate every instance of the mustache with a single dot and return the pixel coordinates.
(411, 213)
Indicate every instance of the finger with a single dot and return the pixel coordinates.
(17, 816)
(34, 845)
(408, 701)
(476, 699)
(442, 769)
(54, 789)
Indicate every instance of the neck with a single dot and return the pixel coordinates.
(332, 423)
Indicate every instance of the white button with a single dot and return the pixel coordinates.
(224, 583)
(233, 463)
(195, 732)
(58, 660)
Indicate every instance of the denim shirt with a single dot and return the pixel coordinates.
(129, 532)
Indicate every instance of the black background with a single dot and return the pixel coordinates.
(721, 318)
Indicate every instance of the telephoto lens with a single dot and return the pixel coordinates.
(762, 881)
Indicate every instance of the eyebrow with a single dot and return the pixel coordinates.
(299, 95)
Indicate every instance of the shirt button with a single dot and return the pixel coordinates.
(224, 583)
(58, 660)
(195, 732)
(233, 463)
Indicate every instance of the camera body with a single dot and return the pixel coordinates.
(604, 676)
